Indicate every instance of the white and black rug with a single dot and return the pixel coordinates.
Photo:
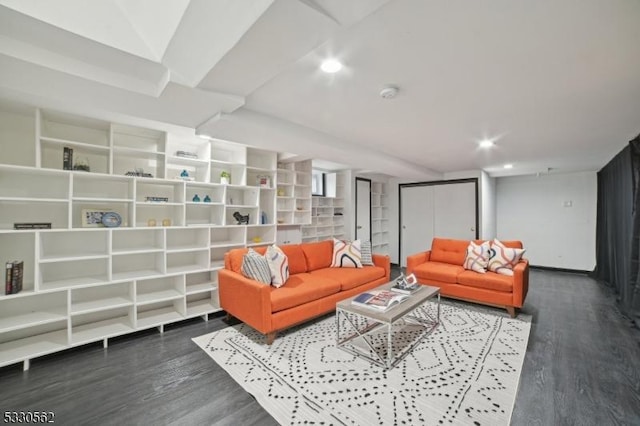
(465, 372)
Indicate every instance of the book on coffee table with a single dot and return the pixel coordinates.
(380, 300)
(406, 285)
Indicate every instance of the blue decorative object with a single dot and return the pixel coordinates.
(207, 199)
(184, 173)
(196, 199)
(263, 218)
(111, 220)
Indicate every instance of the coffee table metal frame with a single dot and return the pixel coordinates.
(376, 320)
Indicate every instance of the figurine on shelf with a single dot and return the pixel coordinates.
(241, 219)
(82, 163)
(196, 199)
(225, 177)
(207, 199)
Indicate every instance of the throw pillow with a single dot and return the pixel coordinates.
(346, 254)
(278, 265)
(503, 258)
(477, 257)
(365, 253)
(256, 267)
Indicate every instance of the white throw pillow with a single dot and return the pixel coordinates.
(503, 258)
(477, 258)
(278, 265)
(346, 254)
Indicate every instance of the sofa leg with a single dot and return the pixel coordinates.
(271, 337)
(228, 317)
(512, 311)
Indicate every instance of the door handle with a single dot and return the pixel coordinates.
(359, 227)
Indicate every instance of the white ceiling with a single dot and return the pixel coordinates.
(555, 82)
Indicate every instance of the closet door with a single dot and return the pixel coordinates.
(455, 211)
(416, 220)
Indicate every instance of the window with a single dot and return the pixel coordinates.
(317, 183)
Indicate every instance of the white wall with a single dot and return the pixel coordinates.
(536, 211)
(487, 207)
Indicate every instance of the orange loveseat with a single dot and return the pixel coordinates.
(313, 287)
(442, 267)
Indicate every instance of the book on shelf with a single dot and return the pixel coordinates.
(380, 300)
(67, 158)
(406, 285)
(13, 277)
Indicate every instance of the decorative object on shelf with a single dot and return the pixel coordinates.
(184, 175)
(207, 199)
(195, 199)
(225, 177)
(82, 164)
(187, 154)
(241, 219)
(157, 199)
(92, 218)
(67, 158)
(139, 172)
(166, 222)
(280, 192)
(263, 218)
(257, 240)
(111, 220)
(151, 222)
(263, 181)
(32, 225)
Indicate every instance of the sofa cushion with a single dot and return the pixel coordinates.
(318, 255)
(256, 267)
(295, 255)
(489, 281)
(449, 251)
(503, 258)
(477, 258)
(278, 265)
(346, 254)
(437, 271)
(300, 289)
(350, 277)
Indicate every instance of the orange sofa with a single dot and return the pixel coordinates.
(313, 287)
(442, 267)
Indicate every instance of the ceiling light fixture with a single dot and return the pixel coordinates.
(331, 66)
(389, 92)
(508, 166)
(486, 143)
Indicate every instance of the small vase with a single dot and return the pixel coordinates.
(224, 180)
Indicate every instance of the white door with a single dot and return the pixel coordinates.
(363, 209)
(416, 220)
(455, 211)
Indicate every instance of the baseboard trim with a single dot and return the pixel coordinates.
(550, 268)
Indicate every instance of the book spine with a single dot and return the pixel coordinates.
(16, 277)
(8, 278)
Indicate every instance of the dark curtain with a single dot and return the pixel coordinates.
(618, 227)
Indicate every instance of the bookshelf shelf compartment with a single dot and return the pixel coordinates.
(32, 342)
(90, 327)
(73, 273)
(87, 300)
(160, 313)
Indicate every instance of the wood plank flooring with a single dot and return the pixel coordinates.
(582, 367)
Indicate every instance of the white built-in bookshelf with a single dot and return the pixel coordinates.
(86, 284)
(379, 218)
(328, 213)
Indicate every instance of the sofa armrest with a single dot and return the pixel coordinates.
(417, 259)
(520, 282)
(245, 299)
(383, 261)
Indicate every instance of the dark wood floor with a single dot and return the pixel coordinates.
(582, 367)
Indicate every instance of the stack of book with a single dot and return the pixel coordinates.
(14, 274)
(406, 285)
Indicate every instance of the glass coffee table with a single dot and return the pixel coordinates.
(385, 338)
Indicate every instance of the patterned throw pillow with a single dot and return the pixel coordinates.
(477, 257)
(503, 258)
(365, 253)
(256, 267)
(346, 254)
(278, 265)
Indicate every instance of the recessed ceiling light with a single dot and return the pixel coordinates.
(331, 66)
(508, 166)
(486, 143)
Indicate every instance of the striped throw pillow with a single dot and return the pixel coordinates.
(346, 254)
(504, 258)
(256, 267)
(278, 265)
(477, 258)
(366, 256)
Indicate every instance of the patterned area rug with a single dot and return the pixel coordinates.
(465, 372)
